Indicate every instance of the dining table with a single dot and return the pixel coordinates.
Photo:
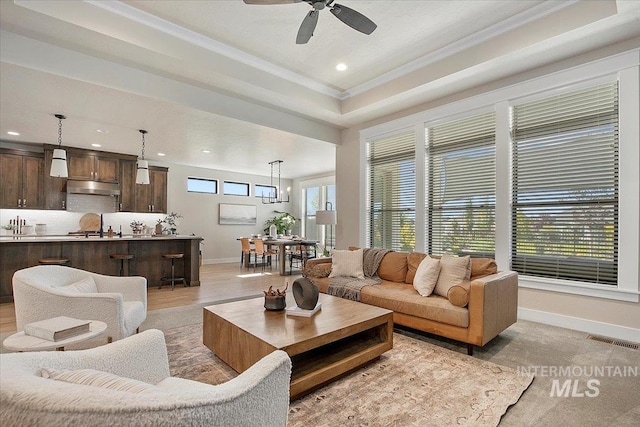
(282, 244)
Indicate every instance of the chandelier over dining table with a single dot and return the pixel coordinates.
(275, 196)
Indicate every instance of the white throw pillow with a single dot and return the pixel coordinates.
(347, 263)
(101, 379)
(427, 276)
(84, 286)
(453, 270)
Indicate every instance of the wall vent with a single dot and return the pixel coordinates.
(619, 343)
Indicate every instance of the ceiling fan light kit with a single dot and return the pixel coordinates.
(352, 18)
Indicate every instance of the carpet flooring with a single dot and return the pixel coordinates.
(414, 384)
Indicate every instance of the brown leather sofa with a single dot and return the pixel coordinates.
(474, 312)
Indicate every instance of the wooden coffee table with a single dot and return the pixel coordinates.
(342, 336)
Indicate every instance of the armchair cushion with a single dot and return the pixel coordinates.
(86, 286)
(453, 270)
(94, 378)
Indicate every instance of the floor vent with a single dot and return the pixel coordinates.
(619, 343)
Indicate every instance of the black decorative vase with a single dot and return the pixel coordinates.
(275, 302)
(305, 293)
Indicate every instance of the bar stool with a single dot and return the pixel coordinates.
(53, 261)
(122, 257)
(173, 279)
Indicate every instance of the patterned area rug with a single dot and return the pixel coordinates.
(414, 384)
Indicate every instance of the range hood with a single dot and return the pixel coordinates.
(93, 187)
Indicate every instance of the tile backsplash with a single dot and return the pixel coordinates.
(91, 203)
(63, 222)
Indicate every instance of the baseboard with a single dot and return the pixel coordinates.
(221, 261)
(579, 324)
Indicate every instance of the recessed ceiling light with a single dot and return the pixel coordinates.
(102, 131)
(341, 66)
(206, 151)
(96, 145)
(13, 133)
(161, 154)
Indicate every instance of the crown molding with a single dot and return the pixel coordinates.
(522, 18)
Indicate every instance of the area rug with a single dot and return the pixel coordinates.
(414, 384)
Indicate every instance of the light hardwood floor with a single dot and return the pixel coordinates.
(218, 282)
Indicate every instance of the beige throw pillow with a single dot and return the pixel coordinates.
(453, 270)
(426, 276)
(101, 379)
(84, 286)
(347, 263)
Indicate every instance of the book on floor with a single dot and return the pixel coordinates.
(57, 328)
(297, 311)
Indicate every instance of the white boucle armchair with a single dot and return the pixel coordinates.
(257, 397)
(43, 292)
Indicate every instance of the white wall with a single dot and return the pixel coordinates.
(200, 211)
(605, 316)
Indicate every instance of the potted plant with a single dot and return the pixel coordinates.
(170, 220)
(284, 221)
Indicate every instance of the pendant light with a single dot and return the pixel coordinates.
(59, 160)
(277, 194)
(142, 176)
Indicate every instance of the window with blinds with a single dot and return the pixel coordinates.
(392, 192)
(565, 186)
(461, 159)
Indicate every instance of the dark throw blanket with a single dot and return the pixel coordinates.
(350, 287)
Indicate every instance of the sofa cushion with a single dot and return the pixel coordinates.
(402, 298)
(481, 267)
(413, 261)
(317, 270)
(84, 286)
(427, 276)
(458, 295)
(453, 271)
(393, 267)
(347, 263)
(91, 377)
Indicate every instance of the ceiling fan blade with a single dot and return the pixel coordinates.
(271, 1)
(354, 19)
(307, 27)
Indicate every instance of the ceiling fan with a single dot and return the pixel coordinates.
(354, 19)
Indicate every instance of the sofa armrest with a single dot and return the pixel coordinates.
(493, 306)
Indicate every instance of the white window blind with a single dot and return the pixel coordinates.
(392, 192)
(462, 186)
(565, 186)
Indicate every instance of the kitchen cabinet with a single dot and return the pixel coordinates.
(22, 177)
(127, 199)
(93, 167)
(153, 197)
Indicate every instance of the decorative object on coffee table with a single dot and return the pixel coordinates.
(305, 292)
(275, 300)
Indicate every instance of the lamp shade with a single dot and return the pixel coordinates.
(326, 217)
(142, 176)
(59, 164)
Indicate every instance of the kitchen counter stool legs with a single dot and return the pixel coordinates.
(173, 279)
(122, 258)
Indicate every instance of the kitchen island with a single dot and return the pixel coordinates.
(92, 254)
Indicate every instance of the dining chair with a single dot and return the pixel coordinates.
(264, 253)
(246, 251)
(301, 254)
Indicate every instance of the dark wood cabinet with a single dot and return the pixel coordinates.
(22, 177)
(127, 199)
(93, 167)
(153, 197)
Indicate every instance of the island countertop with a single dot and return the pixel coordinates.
(93, 254)
(20, 238)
